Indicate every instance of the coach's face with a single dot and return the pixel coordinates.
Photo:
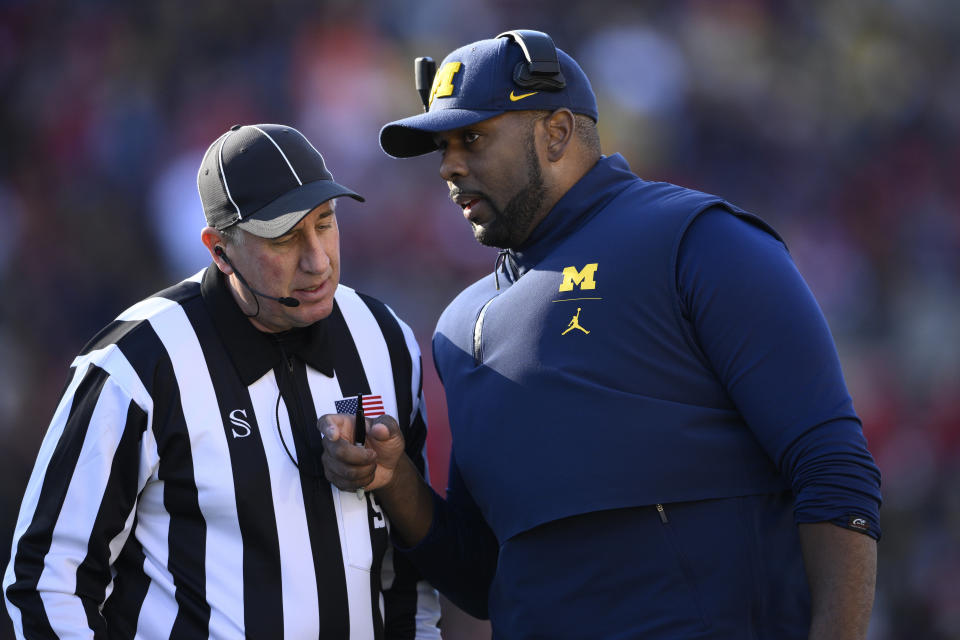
(304, 264)
(493, 171)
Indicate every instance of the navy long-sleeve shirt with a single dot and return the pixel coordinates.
(649, 392)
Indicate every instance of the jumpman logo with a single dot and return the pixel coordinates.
(575, 324)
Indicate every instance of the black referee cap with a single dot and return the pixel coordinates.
(264, 178)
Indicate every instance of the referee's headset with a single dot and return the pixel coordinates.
(540, 69)
(287, 302)
(312, 440)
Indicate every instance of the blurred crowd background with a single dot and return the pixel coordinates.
(835, 120)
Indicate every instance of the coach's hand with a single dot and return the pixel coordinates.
(350, 467)
(381, 464)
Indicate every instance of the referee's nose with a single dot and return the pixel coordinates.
(315, 253)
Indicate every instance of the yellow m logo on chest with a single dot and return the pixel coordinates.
(582, 278)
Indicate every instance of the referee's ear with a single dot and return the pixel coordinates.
(212, 239)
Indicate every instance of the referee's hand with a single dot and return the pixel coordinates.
(350, 467)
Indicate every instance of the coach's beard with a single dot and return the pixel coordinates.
(511, 226)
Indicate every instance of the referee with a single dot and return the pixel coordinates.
(178, 491)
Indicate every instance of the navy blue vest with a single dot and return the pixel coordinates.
(580, 386)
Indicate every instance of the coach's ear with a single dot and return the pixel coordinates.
(559, 127)
(212, 239)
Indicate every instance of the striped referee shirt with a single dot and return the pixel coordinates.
(178, 491)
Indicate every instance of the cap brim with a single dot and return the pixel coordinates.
(281, 215)
(413, 136)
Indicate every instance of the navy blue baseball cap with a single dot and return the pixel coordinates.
(264, 178)
(477, 82)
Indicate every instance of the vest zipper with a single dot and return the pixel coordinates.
(478, 334)
(502, 263)
(662, 513)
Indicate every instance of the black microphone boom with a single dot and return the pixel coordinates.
(285, 301)
(424, 69)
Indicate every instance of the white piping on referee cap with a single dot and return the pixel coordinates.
(312, 147)
(223, 175)
(292, 170)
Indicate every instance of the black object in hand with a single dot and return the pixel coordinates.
(360, 428)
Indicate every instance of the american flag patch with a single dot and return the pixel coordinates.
(372, 406)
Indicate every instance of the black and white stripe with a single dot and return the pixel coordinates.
(150, 513)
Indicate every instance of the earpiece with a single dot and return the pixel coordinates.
(542, 67)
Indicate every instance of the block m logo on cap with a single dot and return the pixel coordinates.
(443, 81)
